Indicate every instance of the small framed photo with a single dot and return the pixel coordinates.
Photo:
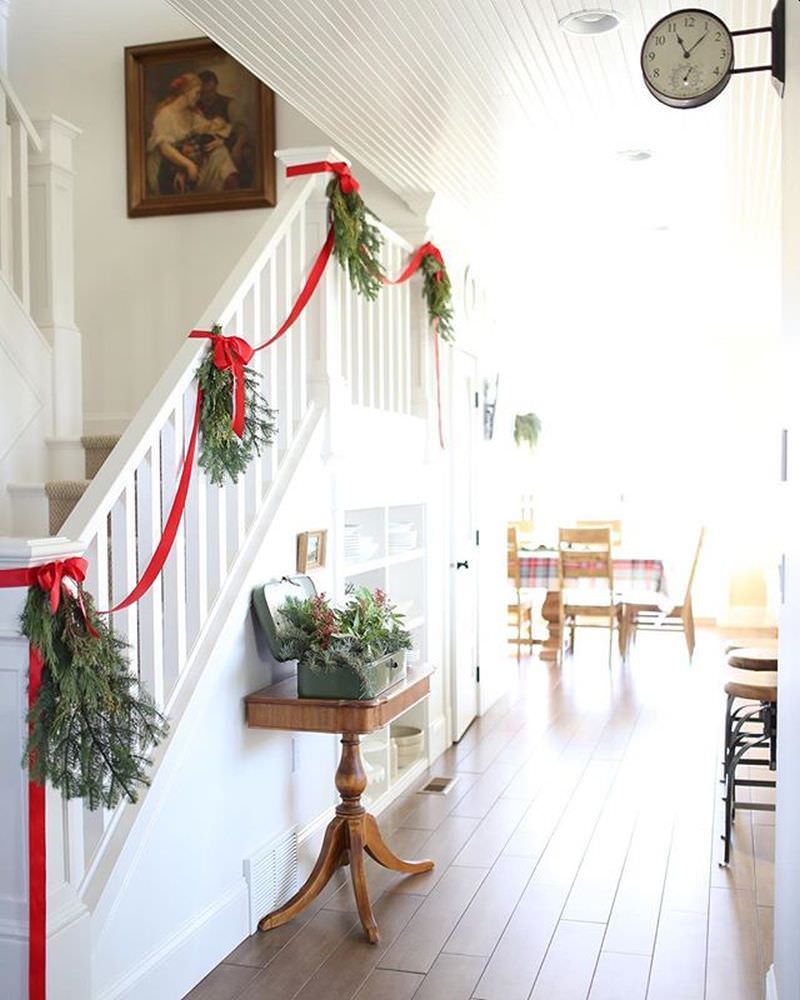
(200, 130)
(311, 546)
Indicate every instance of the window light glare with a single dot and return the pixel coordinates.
(590, 22)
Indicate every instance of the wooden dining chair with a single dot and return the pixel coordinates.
(520, 611)
(584, 554)
(615, 526)
(643, 612)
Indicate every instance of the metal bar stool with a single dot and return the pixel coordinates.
(751, 726)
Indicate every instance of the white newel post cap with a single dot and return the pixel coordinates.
(19, 553)
(58, 143)
(309, 154)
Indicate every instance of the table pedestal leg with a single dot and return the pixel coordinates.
(551, 647)
(350, 834)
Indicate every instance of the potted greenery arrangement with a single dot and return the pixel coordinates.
(353, 652)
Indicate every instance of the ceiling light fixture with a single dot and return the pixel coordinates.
(634, 155)
(590, 22)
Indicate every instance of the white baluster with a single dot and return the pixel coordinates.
(151, 608)
(405, 342)
(269, 307)
(251, 326)
(380, 308)
(6, 225)
(19, 212)
(216, 536)
(123, 567)
(288, 347)
(196, 533)
(360, 375)
(174, 573)
(300, 331)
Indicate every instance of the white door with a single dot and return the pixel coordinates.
(461, 443)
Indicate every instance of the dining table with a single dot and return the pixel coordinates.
(633, 573)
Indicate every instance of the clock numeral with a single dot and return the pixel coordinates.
(656, 71)
(716, 71)
(651, 56)
(688, 22)
(717, 36)
(672, 26)
(660, 39)
(723, 52)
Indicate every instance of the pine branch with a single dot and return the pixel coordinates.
(357, 242)
(438, 294)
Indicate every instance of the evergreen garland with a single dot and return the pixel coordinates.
(356, 241)
(438, 294)
(92, 725)
(222, 451)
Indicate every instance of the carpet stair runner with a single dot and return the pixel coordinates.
(63, 494)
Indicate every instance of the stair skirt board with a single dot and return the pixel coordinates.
(188, 956)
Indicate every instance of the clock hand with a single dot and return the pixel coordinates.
(683, 47)
(700, 39)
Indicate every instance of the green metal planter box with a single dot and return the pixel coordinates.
(347, 685)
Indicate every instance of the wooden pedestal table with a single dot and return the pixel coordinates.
(353, 831)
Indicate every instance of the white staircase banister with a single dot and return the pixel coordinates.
(14, 109)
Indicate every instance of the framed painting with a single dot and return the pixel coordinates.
(200, 131)
(311, 546)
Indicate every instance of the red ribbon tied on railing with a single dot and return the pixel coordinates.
(234, 353)
(347, 182)
(50, 578)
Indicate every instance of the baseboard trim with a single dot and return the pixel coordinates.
(438, 741)
(772, 984)
(196, 948)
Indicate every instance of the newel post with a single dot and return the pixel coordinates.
(68, 940)
(51, 178)
(326, 384)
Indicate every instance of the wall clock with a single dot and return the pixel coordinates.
(687, 56)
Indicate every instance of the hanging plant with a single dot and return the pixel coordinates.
(92, 724)
(356, 241)
(236, 422)
(438, 293)
(527, 428)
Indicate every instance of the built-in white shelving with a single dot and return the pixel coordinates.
(385, 547)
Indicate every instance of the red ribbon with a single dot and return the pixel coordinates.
(236, 354)
(347, 182)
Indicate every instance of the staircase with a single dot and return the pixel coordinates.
(344, 360)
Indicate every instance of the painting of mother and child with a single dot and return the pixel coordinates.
(200, 131)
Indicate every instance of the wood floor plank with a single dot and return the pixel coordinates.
(416, 948)
(441, 847)
(620, 977)
(689, 869)
(492, 833)
(766, 936)
(566, 973)
(734, 966)
(764, 846)
(342, 974)
(679, 961)
(486, 790)
(485, 919)
(406, 843)
(223, 983)
(452, 977)
(427, 812)
(256, 951)
(515, 963)
(300, 958)
(385, 984)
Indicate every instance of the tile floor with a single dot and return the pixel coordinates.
(576, 857)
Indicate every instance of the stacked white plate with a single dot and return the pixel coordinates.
(352, 542)
(402, 537)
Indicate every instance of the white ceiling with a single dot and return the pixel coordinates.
(489, 103)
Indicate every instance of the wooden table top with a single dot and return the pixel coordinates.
(279, 707)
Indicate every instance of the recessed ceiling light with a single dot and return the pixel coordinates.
(634, 155)
(590, 22)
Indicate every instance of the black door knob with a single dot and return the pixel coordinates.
(462, 565)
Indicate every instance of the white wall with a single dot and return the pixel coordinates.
(787, 819)
(141, 283)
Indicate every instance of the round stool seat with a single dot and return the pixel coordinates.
(750, 642)
(758, 685)
(754, 659)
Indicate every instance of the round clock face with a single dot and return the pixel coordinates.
(687, 58)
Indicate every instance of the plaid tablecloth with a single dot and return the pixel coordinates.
(540, 569)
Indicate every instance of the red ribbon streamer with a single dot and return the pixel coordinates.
(162, 550)
(347, 182)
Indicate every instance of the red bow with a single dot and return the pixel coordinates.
(50, 578)
(430, 250)
(233, 353)
(347, 182)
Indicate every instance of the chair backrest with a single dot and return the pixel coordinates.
(512, 554)
(687, 597)
(615, 526)
(585, 553)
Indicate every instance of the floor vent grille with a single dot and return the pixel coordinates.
(271, 876)
(438, 786)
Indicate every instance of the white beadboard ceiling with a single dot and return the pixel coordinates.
(489, 103)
